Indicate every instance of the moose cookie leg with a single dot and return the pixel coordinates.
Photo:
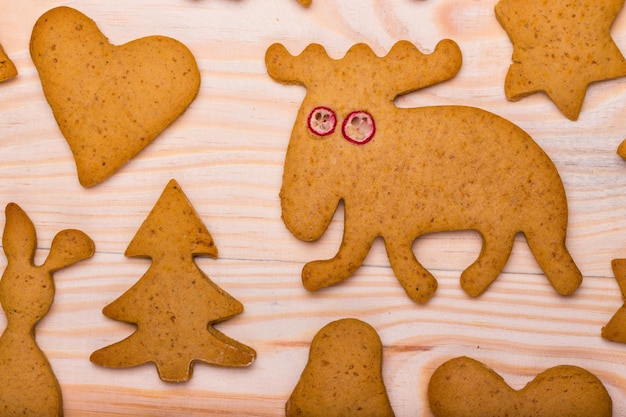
(352, 252)
(418, 283)
(555, 260)
(494, 254)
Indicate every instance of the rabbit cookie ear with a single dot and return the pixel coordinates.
(19, 238)
(20, 242)
(68, 247)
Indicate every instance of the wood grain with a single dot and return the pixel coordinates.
(227, 153)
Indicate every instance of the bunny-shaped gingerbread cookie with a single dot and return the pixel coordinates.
(29, 387)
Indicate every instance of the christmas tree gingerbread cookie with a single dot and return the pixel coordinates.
(109, 101)
(174, 304)
(560, 47)
(29, 386)
(403, 173)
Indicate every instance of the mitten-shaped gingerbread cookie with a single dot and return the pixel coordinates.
(343, 376)
(29, 386)
(463, 387)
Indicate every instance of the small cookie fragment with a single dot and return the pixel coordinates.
(109, 101)
(405, 172)
(174, 304)
(7, 68)
(615, 329)
(621, 149)
(29, 386)
(343, 376)
(464, 387)
(560, 47)
(305, 2)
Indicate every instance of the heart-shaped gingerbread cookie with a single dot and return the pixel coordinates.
(464, 387)
(109, 101)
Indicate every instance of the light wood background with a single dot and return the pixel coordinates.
(227, 153)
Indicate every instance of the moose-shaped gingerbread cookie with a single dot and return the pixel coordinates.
(406, 172)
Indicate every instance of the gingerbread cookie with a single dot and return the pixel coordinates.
(403, 173)
(560, 47)
(615, 329)
(463, 387)
(109, 101)
(343, 376)
(29, 386)
(174, 305)
(621, 149)
(7, 68)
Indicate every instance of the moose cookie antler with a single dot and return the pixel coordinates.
(403, 173)
(29, 386)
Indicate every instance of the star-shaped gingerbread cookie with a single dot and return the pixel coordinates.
(560, 47)
(615, 329)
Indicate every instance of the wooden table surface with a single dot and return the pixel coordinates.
(227, 153)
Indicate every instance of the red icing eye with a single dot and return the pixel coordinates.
(322, 121)
(358, 127)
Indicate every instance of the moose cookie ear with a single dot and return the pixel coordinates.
(68, 247)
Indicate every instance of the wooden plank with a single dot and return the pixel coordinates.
(227, 153)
